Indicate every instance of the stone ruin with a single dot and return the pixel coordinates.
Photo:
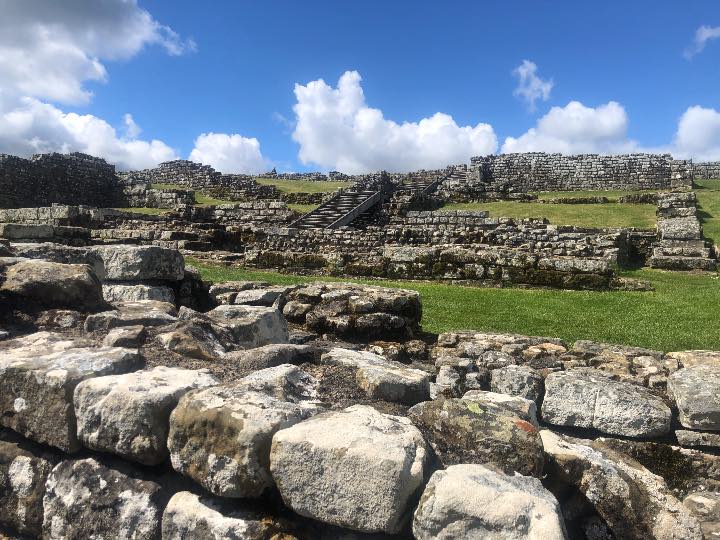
(382, 226)
(140, 402)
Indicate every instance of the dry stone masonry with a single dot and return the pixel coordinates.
(324, 411)
(496, 176)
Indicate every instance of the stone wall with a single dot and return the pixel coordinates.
(491, 175)
(457, 246)
(45, 179)
(707, 171)
(202, 177)
(143, 196)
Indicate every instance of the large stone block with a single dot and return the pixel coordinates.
(380, 378)
(132, 292)
(140, 263)
(39, 375)
(24, 468)
(633, 502)
(220, 437)
(480, 431)
(696, 391)
(474, 502)
(356, 468)
(54, 284)
(89, 499)
(190, 516)
(589, 399)
(140, 313)
(128, 414)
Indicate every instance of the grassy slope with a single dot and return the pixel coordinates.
(611, 195)
(680, 314)
(146, 211)
(582, 215)
(300, 186)
(708, 193)
(302, 208)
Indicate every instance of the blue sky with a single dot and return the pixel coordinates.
(415, 59)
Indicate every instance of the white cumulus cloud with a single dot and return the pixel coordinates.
(576, 129)
(35, 127)
(702, 36)
(229, 153)
(698, 135)
(530, 86)
(336, 129)
(49, 50)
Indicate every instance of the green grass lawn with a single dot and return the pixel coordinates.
(708, 194)
(613, 196)
(641, 216)
(205, 200)
(302, 208)
(680, 314)
(200, 198)
(169, 186)
(302, 186)
(146, 211)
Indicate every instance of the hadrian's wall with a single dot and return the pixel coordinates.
(45, 179)
(496, 175)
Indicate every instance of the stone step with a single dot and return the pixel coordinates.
(682, 263)
(690, 250)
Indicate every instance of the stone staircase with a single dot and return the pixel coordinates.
(340, 210)
(681, 245)
(358, 206)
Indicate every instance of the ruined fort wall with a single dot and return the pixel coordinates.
(707, 171)
(202, 177)
(58, 178)
(537, 171)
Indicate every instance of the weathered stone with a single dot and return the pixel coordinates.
(589, 399)
(465, 431)
(24, 468)
(140, 263)
(132, 292)
(476, 503)
(330, 468)
(39, 382)
(220, 437)
(524, 408)
(188, 515)
(195, 339)
(633, 502)
(142, 312)
(284, 382)
(381, 378)
(705, 506)
(520, 381)
(692, 439)
(87, 499)
(355, 310)
(696, 391)
(250, 326)
(261, 297)
(128, 336)
(55, 319)
(128, 414)
(272, 355)
(226, 291)
(688, 359)
(54, 284)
